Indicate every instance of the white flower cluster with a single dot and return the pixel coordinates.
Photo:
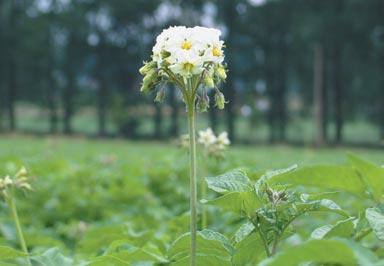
(214, 145)
(187, 57)
(20, 181)
(186, 50)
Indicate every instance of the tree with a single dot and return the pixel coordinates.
(13, 10)
(318, 93)
(228, 14)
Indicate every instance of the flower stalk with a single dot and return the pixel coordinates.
(12, 205)
(192, 181)
(8, 187)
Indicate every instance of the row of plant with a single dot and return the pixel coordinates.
(264, 214)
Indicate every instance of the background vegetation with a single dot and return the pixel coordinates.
(96, 200)
(301, 71)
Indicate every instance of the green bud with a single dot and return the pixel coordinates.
(148, 66)
(160, 95)
(208, 82)
(149, 81)
(221, 73)
(219, 100)
(150, 77)
(145, 87)
(203, 103)
(22, 172)
(164, 54)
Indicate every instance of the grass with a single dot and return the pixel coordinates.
(32, 149)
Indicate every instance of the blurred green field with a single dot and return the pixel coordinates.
(87, 192)
(34, 150)
(299, 129)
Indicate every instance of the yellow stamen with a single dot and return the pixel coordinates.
(216, 51)
(186, 45)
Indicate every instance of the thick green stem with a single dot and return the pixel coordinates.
(274, 246)
(12, 205)
(193, 183)
(266, 247)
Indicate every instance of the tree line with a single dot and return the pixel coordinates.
(328, 56)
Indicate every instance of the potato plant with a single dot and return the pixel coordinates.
(310, 215)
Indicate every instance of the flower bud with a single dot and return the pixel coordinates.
(149, 81)
(203, 103)
(7, 181)
(145, 88)
(165, 54)
(22, 172)
(219, 100)
(208, 82)
(160, 95)
(150, 77)
(221, 73)
(148, 66)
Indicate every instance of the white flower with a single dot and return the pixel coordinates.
(222, 139)
(206, 36)
(206, 137)
(163, 40)
(184, 141)
(214, 52)
(185, 39)
(187, 63)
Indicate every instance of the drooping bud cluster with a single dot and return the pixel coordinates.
(150, 74)
(19, 181)
(219, 100)
(203, 102)
(275, 197)
(189, 58)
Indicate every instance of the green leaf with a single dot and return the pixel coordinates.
(325, 205)
(202, 259)
(335, 177)
(375, 218)
(270, 174)
(10, 253)
(127, 257)
(372, 174)
(235, 180)
(98, 238)
(215, 236)
(52, 257)
(342, 228)
(244, 230)
(249, 251)
(237, 202)
(108, 260)
(209, 243)
(323, 251)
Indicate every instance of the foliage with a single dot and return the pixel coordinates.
(118, 203)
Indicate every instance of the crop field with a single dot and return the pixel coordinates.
(114, 202)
